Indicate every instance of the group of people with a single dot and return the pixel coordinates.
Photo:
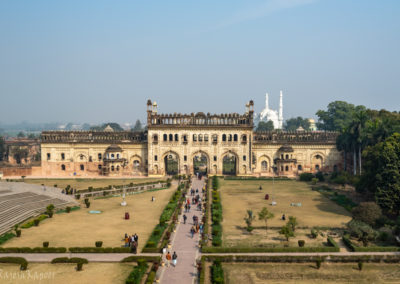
(132, 242)
(169, 258)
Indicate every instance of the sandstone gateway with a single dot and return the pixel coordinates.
(185, 143)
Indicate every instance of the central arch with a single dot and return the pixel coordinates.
(230, 163)
(171, 163)
(201, 162)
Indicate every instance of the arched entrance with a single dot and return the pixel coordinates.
(171, 163)
(229, 164)
(200, 163)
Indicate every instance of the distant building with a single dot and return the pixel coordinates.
(273, 115)
(313, 126)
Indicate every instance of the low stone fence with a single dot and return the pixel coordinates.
(128, 190)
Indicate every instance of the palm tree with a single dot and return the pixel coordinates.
(358, 131)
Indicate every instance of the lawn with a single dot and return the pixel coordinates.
(316, 211)
(66, 273)
(83, 183)
(307, 273)
(81, 229)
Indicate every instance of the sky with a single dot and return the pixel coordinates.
(98, 61)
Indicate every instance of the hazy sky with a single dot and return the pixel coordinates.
(95, 61)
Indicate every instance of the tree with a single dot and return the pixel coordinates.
(381, 174)
(292, 223)
(337, 117)
(293, 123)
(265, 126)
(31, 136)
(264, 214)
(363, 232)
(249, 218)
(20, 154)
(2, 148)
(138, 126)
(287, 232)
(367, 212)
(21, 134)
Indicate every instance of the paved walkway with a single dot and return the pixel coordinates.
(185, 247)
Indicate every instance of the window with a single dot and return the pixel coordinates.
(99, 167)
(165, 137)
(185, 138)
(136, 164)
(90, 158)
(82, 167)
(117, 156)
(244, 138)
(81, 157)
(112, 156)
(230, 137)
(287, 157)
(48, 156)
(215, 138)
(155, 138)
(299, 167)
(235, 138)
(281, 168)
(224, 137)
(200, 137)
(282, 156)
(63, 167)
(317, 167)
(264, 166)
(194, 137)
(117, 168)
(176, 137)
(112, 168)
(171, 137)
(62, 156)
(206, 137)
(286, 168)
(244, 157)
(155, 158)
(99, 156)
(185, 158)
(215, 158)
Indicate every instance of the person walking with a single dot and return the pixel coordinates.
(192, 230)
(174, 257)
(184, 218)
(168, 258)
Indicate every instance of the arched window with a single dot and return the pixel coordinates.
(112, 168)
(63, 167)
(206, 137)
(99, 167)
(286, 168)
(136, 164)
(165, 137)
(215, 138)
(200, 137)
(194, 138)
(82, 167)
(282, 156)
(299, 167)
(112, 156)
(317, 167)
(99, 156)
(264, 166)
(287, 157)
(235, 138)
(155, 138)
(176, 137)
(171, 137)
(244, 138)
(224, 137)
(117, 168)
(62, 156)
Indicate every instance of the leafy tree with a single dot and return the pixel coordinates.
(337, 117)
(2, 148)
(293, 123)
(362, 231)
(367, 212)
(249, 218)
(381, 176)
(292, 223)
(138, 126)
(264, 214)
(21, 134)
(265, 126)
(287, 232)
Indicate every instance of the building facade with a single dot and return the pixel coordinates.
(174, 143)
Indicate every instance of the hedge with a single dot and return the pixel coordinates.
(32, 223)
(135, 277)
(17, 260)
(267, 249)
(5, 237)
(217, 273)
(70, 260)
(353, 247)
(99, 250)
(332, 242)
(33, 250)
(136, 258)
(216, 217)
(256, 178)
(264, 258)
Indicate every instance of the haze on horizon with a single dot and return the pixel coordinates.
(97, 61)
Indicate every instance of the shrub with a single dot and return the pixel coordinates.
(215, 183)
(87, 204)
(135, 277)
(79, 266)
(50, 214)
(314, 180)
(367, 212)
(17, 260)
(36, 222)
(362, 231)
(360, 265)
(217, 273)
(318, 263)
(151, 278)
(301, 243)
(45, 244)
(320, 176)
(18, 233)
(216, 241)
(78, 196)
(306, 176)
(314, 233)
(98, 244)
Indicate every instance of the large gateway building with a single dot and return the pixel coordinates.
(187, 143)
